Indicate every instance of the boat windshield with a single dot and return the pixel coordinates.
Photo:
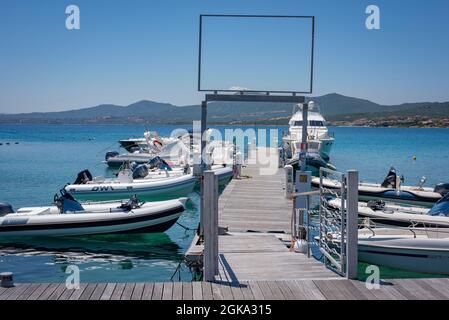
(312, 123)
(316, 123)
(441, 208)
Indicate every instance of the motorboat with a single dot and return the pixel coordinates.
(317, 132)
(178, 152)
(68, 217)
(377, 212)
(129, 144)
(416, 250)
(157, 187)
(391, 189)
(170, 150)
(150, 139)
(154, 180)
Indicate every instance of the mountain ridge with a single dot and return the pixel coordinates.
(332, 105)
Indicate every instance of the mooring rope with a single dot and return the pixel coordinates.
(186, 228)
(178, 270)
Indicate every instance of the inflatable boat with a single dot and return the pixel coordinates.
(416, 251)
(406, 252)
(392, 190)
(156, 180)
(125, 186)
(379, 213)
(71, 218)
(116, 160)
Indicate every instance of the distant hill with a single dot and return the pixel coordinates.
(431, 110)
(408, 115)
(333, 106)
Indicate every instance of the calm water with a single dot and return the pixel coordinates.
(47, 157)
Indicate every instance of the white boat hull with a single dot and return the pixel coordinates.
(98, 219)
(149, 189)
(416, 255)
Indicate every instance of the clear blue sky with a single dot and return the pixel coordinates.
(132, 50)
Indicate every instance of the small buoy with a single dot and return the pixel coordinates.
(6, 280)
(414, 158)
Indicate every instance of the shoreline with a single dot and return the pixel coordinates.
(210, 123)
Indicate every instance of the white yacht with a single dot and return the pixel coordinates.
(318, 135)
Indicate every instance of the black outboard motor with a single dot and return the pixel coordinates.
(390, 179)
(131, 204)
(5, 208)
(110, 154)
(141, 171)
(442, 188)
(83, 177)
(66, 202)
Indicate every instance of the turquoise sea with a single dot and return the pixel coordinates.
(48, 156)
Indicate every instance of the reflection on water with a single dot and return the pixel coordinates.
(139, 246)
(92, 254)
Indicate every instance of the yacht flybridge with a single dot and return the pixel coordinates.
(318, 136)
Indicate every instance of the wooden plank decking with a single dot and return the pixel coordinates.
(256, 213)
(401, 289)
(255, 203)
(246, 257)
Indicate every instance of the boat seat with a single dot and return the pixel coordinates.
(99, 179)
(44, 211)
(34, 211)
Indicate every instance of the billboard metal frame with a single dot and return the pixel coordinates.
(312, 18)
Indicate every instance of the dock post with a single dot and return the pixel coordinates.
(239, 162)
(6, 280)
(289, 190)
(303, 184)
(202, 162)
(352, 224)
(210, 225)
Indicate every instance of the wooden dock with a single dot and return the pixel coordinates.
(257, 215)
(254, 262)
(403, 289)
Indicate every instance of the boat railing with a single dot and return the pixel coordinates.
(376, 226)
